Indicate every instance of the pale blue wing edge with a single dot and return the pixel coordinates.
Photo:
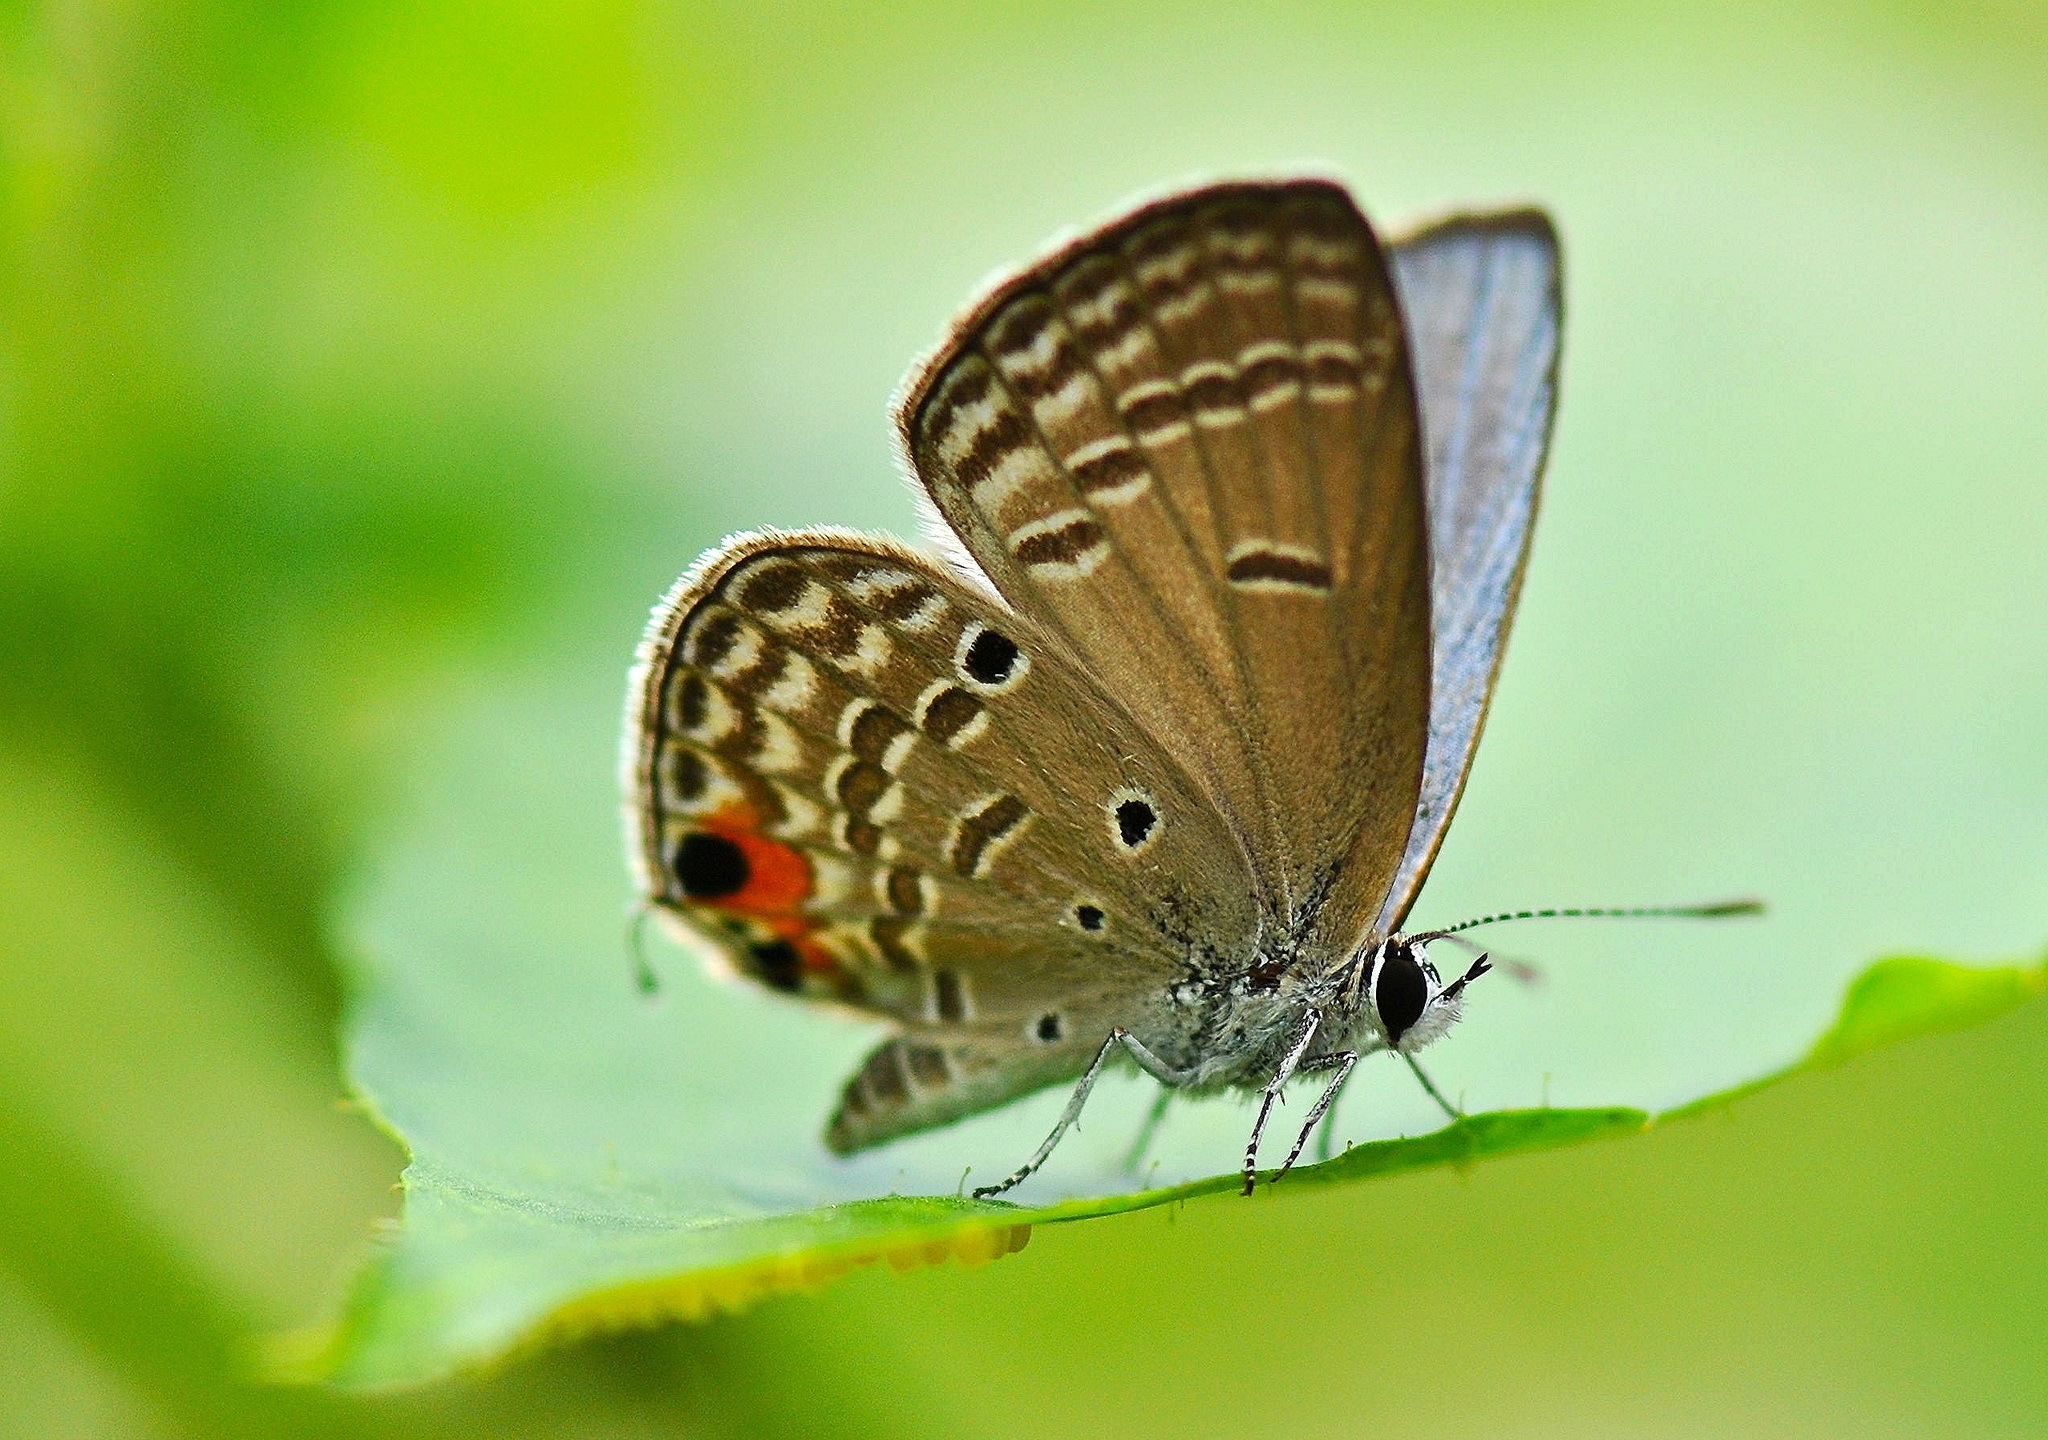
(1483, 299)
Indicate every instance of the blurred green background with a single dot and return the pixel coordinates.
(359, 356)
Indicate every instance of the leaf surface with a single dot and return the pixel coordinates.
(583, 1158)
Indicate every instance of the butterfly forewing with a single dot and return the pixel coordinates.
(867, 783)
(1483, 301)
(1187, 443)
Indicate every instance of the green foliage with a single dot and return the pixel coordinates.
(488, 1260)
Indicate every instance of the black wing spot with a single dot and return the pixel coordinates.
(991, 657)
(778, 965)
(709, 867)
(1049, 1029)
(1089, 917)
(1135, 821)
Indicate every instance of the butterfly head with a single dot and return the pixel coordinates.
(1409, 1002)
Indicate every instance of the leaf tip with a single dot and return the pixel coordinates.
(1909, 995)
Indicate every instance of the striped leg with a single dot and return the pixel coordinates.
(1152, 1065)
(1288, 1066)
(1343, 1060)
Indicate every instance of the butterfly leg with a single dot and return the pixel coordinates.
(1449, 1109)
(1326, 1143)
(1151, 1064)
(1343, 1060)
(1135, 1156)
(1288, 1065)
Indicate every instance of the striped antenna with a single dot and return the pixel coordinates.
(1719, 910)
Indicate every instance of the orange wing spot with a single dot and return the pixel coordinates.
(778, 881)
(778, 875)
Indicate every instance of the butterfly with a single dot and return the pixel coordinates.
(1232, 505)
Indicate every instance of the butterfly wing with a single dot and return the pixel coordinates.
(1483, 299)
(1187, 442)
(925, 1078)
(1181, 688)
(862, 781)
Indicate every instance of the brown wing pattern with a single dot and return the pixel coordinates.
(1187, 444)
(864, 782)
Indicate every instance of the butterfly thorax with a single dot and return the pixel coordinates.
(1231, 1024)
(1240, 1025)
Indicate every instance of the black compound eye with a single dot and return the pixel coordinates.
(1399, 993)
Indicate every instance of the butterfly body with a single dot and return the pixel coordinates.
(1153, 770)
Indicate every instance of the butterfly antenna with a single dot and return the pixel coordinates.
(1524, 971)
(1719, 910)
(644, 979)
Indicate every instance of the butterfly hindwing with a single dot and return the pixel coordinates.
(865, 782)
(1187, 442)
(932, 1075)
(1484, 304)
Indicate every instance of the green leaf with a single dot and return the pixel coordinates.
(1895, 1000)
(583, 1159)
